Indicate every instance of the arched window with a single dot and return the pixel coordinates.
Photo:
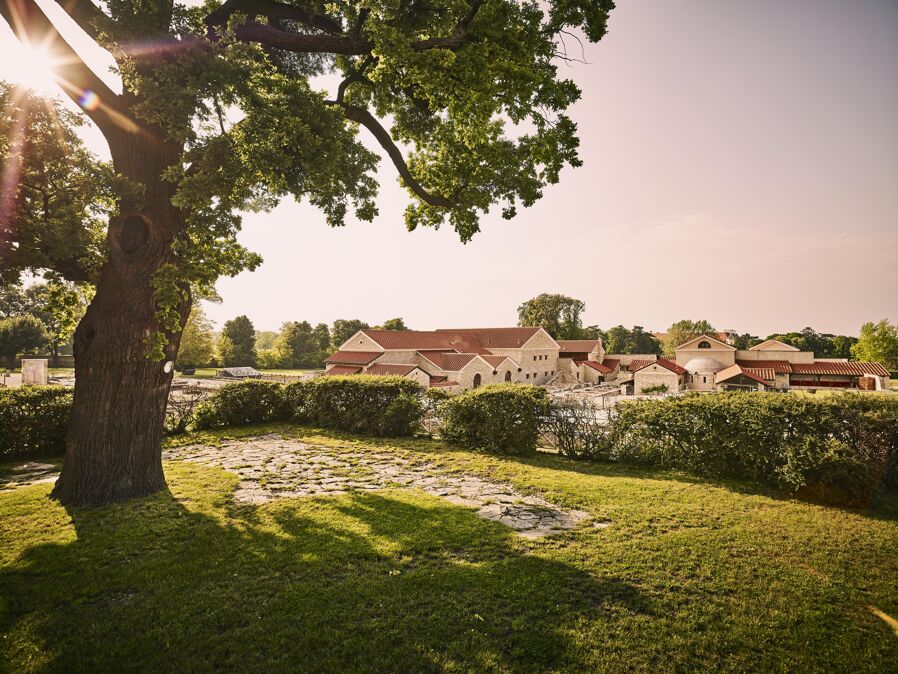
(508, 376)
(704, 345)
(477, 380)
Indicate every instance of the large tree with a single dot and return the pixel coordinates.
(621, 340)
(241, 335)
(197, 344)
(878, 341)
(20, 334)
(682, 331)
(219, 113)
(343, 329)
(60, 306)
(560, 315)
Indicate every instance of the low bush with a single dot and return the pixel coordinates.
(34, 420)
(246, 402)
(841, 448)
(382, 406)
(657, 388)
(502, 418)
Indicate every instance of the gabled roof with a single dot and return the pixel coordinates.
(853, 368)
(639, 363)
(736, 371)
(390, 369)
(611, 363)
(599, 367)
(343, 369)
(765, 346)
(778, 366)
(496, 361)
(448, 361)
(706, 338)
(663, 362)
(577, 345)
(353, 357)
(495, 338)
(414, 340)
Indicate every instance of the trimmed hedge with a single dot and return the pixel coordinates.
(34, 420)
(370, 405)
(841, 448)
(241, 403)
(502, 418)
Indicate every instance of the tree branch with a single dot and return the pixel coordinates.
(85, 13)
(369, 121)
(273, 11)
(99, 102)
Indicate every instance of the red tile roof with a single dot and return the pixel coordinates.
(768, 374)
(778, 366)
(496, 361)
(390, 369)
(600, 367)
(638, 364)
(663, 362)
(853, 368)
(577, 345)
(414, 340)
(495, 338)
(353, 357)
(443, 381)
(343, 369)
(738, 371)
(448, 360)
(611, 363)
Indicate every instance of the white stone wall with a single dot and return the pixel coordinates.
(655, 375)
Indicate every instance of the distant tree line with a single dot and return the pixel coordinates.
(40, 319)
(298, 344)
(561, 316)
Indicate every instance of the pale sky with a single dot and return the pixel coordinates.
(740, 165)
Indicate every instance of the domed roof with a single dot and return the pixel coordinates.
(704, 365)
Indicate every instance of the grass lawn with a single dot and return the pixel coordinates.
(209, 372)
(690, 576)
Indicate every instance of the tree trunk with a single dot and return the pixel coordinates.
(113, 448)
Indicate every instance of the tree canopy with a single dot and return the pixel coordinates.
(621, 340)
(237, 344)
(878, 341)
(684, 330)
(560, 315)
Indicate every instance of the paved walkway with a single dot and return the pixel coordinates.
(271, 467)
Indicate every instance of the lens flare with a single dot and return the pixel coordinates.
(89, 100)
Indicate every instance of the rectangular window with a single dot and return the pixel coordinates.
(534, 358)
(528, 375)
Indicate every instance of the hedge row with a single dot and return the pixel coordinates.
(33, 420)
(841, 448)
(383, 406)
(503, 418)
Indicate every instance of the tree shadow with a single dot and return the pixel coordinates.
(387, 581)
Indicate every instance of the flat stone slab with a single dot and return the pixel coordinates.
(28, 474)
(272, 467)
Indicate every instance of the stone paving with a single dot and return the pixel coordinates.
(28, 474)
(270, 467)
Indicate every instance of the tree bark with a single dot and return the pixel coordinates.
(113, 448)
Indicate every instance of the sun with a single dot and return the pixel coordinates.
(30, 66)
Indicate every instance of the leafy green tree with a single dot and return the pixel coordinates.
(394, 324)
(458, 79)
(344, 328)
(682, 331)
(265, 339)
(242, 337)
(197, 347)
(823, 345)
(621, 340)
(12, 300)
(878, 342)
(746, 341)
(224, 350)
(322, 336)
(558, 314)
(59, 305)
(20, 334)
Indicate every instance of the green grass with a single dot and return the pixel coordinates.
(209, 372)
(691, 576)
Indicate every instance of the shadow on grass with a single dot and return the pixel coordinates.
(366, 582)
